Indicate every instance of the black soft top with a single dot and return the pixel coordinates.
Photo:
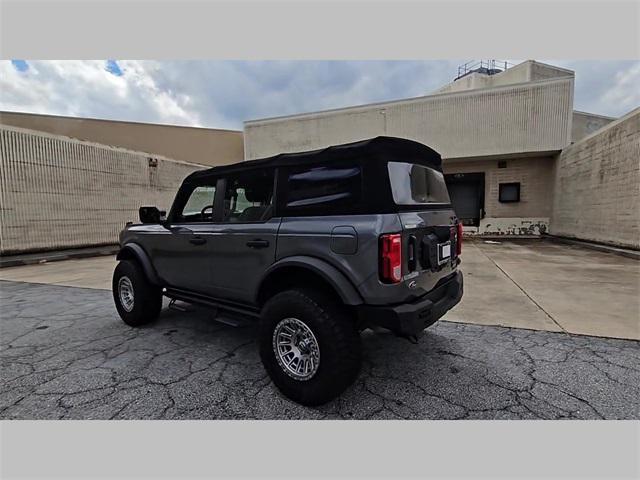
(377, 149)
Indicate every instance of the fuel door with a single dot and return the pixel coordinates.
(344, 240)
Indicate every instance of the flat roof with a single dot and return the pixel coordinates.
(92, 119)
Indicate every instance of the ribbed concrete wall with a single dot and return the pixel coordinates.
(512, 119)
(527, 71)
(597, 186)
(57, 192)
(204, 146)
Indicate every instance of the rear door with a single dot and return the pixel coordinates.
(244, 243)
(429, 232)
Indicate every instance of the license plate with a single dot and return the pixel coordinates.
(444, 252)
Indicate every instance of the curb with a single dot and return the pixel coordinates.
(54, 256)
(623, 252)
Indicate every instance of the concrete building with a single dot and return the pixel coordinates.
(499, 132)
(596, 194)
(517, 158)
(205, 146)
(58, 192)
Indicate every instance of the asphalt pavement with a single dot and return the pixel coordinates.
(64, 353)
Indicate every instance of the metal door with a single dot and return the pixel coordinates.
(467, 196)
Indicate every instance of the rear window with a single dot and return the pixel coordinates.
(413, 184)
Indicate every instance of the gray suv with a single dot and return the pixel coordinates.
(315, 246)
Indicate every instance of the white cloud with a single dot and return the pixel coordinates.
(85, 88)
(224, 93)
(626, 90)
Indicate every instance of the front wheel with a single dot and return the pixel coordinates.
(309, 346)
(138, 301)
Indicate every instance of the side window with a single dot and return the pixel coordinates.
(249, 197)
(323, 189)
(199, 205)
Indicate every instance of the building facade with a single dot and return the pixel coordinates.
(499, 134)
(58, 192)
(204, 146)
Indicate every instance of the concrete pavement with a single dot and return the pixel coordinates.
(583, 291)
(533, 284)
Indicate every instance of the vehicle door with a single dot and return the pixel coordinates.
(244, 245)
(181, 254)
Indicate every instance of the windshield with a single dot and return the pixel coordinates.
(413, 184)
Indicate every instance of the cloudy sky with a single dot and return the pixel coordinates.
(221, 94)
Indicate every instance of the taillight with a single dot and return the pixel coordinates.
(459, 240)
(391, 258)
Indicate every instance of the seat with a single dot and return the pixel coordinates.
(252, 214)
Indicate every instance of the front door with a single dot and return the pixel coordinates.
(181, 254)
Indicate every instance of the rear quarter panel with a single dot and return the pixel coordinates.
(311, 236)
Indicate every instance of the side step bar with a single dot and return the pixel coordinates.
(234, 309)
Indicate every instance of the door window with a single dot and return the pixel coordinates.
(199, 205)
(249, 197)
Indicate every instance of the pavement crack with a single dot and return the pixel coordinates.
(524, 291)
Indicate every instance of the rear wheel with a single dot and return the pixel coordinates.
(309, 346)
(138, 301)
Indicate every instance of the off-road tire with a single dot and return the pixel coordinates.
(147, 298)
(337, 337)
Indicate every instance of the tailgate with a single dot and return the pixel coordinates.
(429, 239)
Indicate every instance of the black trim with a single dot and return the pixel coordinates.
(410, 319)
(205, 300)
(337, 279)
(141, 255)
(218, 200)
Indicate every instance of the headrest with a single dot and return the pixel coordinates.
(257, 193)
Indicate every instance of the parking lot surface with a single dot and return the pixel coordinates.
(65, 354)
(531, 284)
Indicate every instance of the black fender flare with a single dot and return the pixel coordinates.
(133, 250)
(334, 277)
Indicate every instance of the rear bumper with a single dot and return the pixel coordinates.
(409, 319)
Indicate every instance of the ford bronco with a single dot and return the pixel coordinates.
(315, 246)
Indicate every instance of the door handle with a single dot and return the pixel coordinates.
(198, 240)
(258, 243)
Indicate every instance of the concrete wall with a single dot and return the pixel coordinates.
(196, 145)
(57, 192)
(527, 71)
(531, 117)
(584, 124)
(597, 186)
(529, 216)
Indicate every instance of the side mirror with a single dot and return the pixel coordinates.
(151, 215)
